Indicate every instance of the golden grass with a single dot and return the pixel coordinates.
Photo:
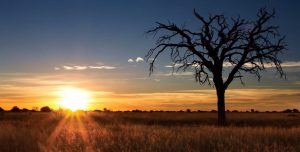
(148, 132)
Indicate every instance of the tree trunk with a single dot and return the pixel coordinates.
(221, 106)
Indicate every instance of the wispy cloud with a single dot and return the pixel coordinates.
(82, 67)
(175, 74)
(78, 67)
(102, 67)
(269, 65)
(291, 64)
(174, 65)
(157, 80)
(68, 67)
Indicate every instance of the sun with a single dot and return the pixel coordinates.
(74, 98)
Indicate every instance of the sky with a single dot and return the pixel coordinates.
(100, 47)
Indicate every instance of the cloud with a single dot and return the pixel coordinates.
(174, 65)
(157, 80)
(137, 59)
(227, 64)
(175, 74)
(291, 64)
(102, 67)
(68, 67)
(150, 59)
(80, 67)
(269, 65)
(130, 60)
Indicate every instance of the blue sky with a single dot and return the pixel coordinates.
(40, 39)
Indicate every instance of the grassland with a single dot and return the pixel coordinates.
(157, 131)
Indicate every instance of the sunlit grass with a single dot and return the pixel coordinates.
(81, 131)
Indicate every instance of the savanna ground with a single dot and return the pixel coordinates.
(157, 131)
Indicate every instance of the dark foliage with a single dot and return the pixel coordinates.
(24, 110)
(15, 109)
(46, 109)
(287, 111)
(295, 110)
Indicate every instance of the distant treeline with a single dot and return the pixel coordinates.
(17, 109)
(189, 110)
(48, 109)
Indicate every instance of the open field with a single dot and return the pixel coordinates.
(157, 131)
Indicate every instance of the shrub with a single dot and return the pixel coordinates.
(295, 110)
(46, 109)
(15, 109)
(24, 110)
(287, 111)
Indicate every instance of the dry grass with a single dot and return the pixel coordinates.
(148, 132)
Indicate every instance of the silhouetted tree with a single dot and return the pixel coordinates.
(15, 109)
(136, 110)
(243, 46)
(106, 110)
(287, 111)
(213, 111)
(46, 109)
(295, 110)
(1, 109)
(24, 110)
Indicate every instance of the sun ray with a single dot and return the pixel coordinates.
(50, 141)
(84, 132)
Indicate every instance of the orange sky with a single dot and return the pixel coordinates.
(28, 90)
(205, 99)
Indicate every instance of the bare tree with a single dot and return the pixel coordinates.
(242, 46)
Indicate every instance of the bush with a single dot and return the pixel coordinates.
(295, 110)
(15, 109)
(287, 111)
(106, 110)
(24, 110)
(46, 109)
(137, 110)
